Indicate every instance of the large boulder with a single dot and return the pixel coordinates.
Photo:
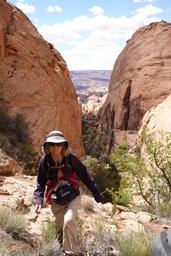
(161, 245)
(140, 80)
(8, 166)
(35, 81)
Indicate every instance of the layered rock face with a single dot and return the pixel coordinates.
(35, 81)
(140, 79)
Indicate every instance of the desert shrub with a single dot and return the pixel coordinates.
(52, 248)
(94, 141)
(103, 239)
(49, 232)
(50, 240)
(15, 138)
(100, 240)
(123, 195)
(149, 177)
(29, 157)
(12, 222)
(163, 209)
(14, 127)
(133, 244)
(104, 173)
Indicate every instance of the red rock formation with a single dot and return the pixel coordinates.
(35, 81)
(8, 166)
(140, 79)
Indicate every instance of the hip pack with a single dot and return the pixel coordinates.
(64, 193)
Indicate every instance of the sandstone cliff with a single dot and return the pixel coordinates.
(140, 79)
(35, 81)
(157, 119)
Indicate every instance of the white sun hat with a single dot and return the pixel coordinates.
(55, 137)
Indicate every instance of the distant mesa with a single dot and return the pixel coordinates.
(91, 87)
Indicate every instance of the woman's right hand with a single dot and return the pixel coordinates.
(38, 208)
(100, 198)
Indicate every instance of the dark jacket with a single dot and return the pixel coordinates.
(79, 173)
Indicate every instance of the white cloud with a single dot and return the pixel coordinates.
(26, 8)
(54, 9)
(145, 1)
(94, 42)
(96, 10)
(149, 10)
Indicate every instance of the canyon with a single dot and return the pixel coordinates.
(91, 87)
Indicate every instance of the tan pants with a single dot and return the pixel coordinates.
(65, 218)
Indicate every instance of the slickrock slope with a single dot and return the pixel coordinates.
(35, 81)
(140, 79)
(158, 119)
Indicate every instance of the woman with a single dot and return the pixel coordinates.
(59, 176)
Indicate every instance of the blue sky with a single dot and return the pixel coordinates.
(90, 34)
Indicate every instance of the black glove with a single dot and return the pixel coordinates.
(100, 198)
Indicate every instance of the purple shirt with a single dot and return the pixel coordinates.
(78, 167)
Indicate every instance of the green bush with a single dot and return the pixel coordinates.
(94, 141)
(149, 177)
(104, 173)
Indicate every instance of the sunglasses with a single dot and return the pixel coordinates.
(51, 144)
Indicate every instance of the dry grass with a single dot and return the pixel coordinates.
(99, 242)
(12, 222)
(134, 244)
(50, 240)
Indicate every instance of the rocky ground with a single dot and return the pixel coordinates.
(17, 193)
